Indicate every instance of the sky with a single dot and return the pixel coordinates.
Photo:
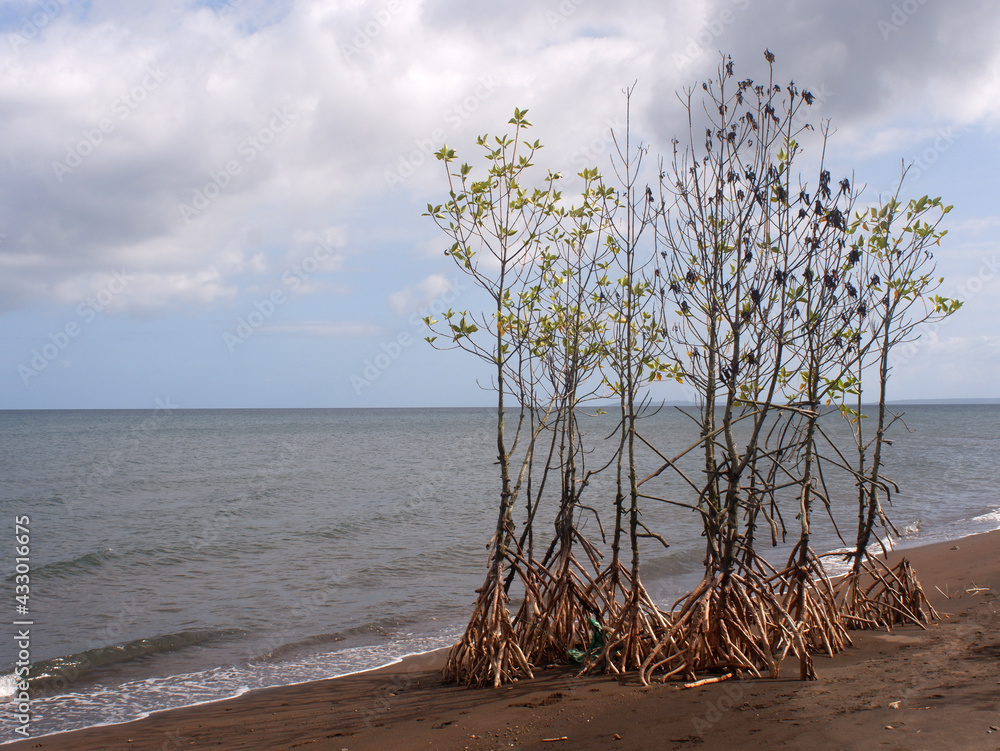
(218, 204)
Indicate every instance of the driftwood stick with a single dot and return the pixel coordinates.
(706, 681)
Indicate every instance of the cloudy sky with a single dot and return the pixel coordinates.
(217, 204)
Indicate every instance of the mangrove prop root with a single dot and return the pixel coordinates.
(728, 623)
(630, 635)
(875, 596)
(488, 653)
(552, 619)
(809, 597)
(749, 619)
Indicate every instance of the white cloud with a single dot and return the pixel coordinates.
(976, 225)
(421, 295)
(284, 113)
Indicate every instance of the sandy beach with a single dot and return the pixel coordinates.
(912, 688)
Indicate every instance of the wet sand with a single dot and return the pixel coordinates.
(912, 688)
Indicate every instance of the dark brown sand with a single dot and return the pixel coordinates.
(937, 688)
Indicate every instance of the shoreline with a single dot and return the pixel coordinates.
(943, 680)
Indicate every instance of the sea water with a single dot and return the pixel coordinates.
(184, 556)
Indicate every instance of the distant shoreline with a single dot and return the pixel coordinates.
(602, 405)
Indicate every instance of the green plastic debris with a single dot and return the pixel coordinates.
(596, 642)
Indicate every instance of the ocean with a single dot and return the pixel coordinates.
(183, 556)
